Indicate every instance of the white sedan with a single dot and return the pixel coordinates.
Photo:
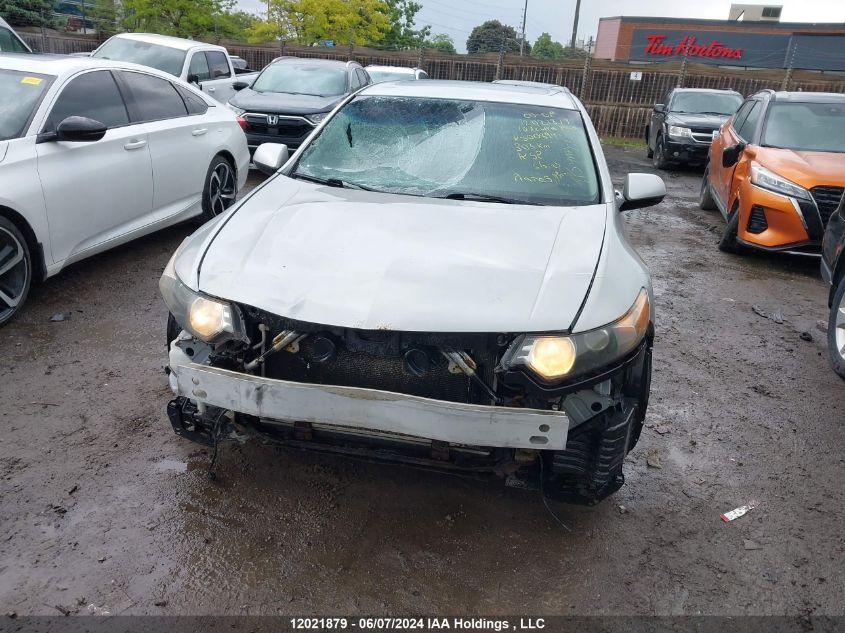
(94, 153)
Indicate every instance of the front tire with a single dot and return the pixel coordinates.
(836, 330)
(221, 188)
(705, 198)
(659, 159)
(729, 242)
(648, 151)
(15, 270)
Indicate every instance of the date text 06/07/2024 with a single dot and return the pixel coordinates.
(419, 624)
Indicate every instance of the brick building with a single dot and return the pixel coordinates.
(749, 44)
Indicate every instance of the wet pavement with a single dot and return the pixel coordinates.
(100, 504)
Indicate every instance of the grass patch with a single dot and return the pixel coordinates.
(623, 142)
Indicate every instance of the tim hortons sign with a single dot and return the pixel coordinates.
(689, 46)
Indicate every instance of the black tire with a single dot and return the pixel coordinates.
(659, 158)
(836, 329)
(729, 242)
(220, 188)
(705, 198)
(173, 329)
(15, 270)
(648, 151)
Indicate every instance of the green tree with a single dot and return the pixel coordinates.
(546, 48)
(309, 21)
(442, 42)
(183, 18)
(488, 38)
(402, 34)
(106, 18)
(27, 12)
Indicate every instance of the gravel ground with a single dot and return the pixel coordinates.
(101, 504)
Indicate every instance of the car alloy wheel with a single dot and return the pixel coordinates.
(14, 272)
(221, 188)
(836, 330)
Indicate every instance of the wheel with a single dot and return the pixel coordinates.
(15, 270)
(836, 330)
(729, 242)
(220, 188)
(173, 329)
(705, 198)
(659, 158)
(648, 151)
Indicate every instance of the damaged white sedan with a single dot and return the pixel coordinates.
(438, 276)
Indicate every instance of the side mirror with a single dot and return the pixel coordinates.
(730, 155)
(240, 85)
(194, 79)
(642, 190)
(80, 129)
(659, 107)
(269, 157)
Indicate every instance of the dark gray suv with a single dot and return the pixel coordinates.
(291, 96)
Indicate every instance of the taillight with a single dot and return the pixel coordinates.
(243, 123)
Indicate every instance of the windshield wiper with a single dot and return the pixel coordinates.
(331, 182)
(483, 197)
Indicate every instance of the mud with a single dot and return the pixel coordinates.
(100, 503)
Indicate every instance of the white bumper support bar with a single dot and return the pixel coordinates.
(371, 409)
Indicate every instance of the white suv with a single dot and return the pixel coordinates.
(438, 276)
(95, 153)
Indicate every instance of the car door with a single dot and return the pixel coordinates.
(219, 85)
(94, 191)
(179, 142)
(657, 118)
(721, 176)
(745, 132)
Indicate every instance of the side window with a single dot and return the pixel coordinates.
(741, 113)
(218, 63)
(199, 67)
(152, 98)
(666, 99)
(422, 75)
(9, 42)
(749, 125)
(362, 76)
(195, 104)
(354, 81)
(93, 95)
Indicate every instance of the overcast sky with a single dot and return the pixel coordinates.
(457, 18)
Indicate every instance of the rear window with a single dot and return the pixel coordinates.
(164, 58)
(20, 94)
(812, 127)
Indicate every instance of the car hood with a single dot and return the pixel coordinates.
(357, 259)
(698, 121)
(283, 103)
(808, 169)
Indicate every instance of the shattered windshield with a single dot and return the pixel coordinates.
(498, 152)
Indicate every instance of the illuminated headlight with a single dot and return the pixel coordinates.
(676, 131)
(235, 109)
(316, 118)
(208, 319)
(554, 358)
(765, 179)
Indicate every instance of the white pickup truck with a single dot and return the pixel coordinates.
(206, 65)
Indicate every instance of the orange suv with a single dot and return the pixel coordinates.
(776, 171)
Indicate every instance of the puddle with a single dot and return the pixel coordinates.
(171, 465)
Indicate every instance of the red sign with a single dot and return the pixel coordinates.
(687, 47)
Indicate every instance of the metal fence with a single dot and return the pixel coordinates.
(618, 96)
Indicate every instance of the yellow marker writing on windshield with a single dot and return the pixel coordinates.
(32, 81)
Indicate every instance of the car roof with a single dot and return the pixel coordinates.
(313, 61)
(544, 96)
(711, 90)
(393, 69)
(164, 40)
(809, 97)
(59, 65)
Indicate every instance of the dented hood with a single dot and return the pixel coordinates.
(358, 259)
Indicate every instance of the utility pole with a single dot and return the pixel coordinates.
(585, 74)
(575, 24)
(524, 16)
(787, 78)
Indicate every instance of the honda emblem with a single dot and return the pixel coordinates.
(272, 119)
